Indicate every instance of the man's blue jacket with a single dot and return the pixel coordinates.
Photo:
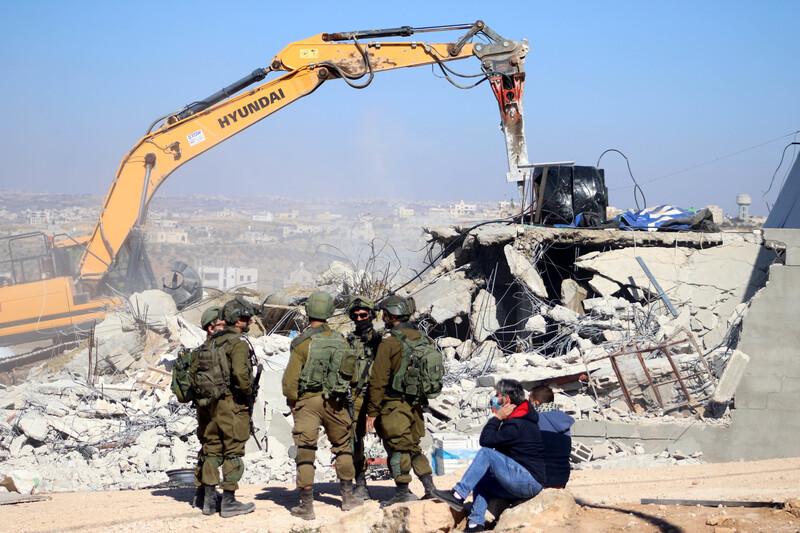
(519, 438)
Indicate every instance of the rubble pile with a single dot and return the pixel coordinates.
(107, 418)
(503, 301)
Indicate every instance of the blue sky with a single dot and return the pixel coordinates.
(673, 85)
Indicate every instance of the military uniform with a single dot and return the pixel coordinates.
(311, 411)
(400, 423)
(366, 346)
(226, 422)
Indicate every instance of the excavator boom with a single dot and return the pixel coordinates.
(303, 67)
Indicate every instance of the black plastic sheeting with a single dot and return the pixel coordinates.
(571, 190)
(786, 211)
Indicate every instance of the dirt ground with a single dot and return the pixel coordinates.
(609, 499)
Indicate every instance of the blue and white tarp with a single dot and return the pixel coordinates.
(652, 218)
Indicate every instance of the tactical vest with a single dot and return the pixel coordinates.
(210, 372)
(181, 381)
(330, 366)
(365, 356)
(421, 368)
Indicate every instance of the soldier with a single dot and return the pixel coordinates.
(230, 375)
(314, 403)
(211, 323)
(400, 422)
(365, 340)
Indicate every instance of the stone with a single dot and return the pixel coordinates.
(522, 269)
(483, 317)
(34, 426)
(550, 505)
(370, 517)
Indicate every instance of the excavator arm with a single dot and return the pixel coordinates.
(184, 135)
(50, 288)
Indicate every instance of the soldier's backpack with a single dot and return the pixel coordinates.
(330, 366)
(181, 382)
(421, 368)
(210, 373)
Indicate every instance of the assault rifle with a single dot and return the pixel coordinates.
(252, 401)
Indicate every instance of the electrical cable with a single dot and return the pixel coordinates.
(794, 143)
(635, 184)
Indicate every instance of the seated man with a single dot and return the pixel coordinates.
(510, 463)
(554, 425)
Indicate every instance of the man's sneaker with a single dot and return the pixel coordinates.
(449, 497)
(474, 527)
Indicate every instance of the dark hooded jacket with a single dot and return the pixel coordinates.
(519, 438)
(555, 428)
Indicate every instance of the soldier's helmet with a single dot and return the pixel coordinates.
(235, 309)
(209, 315)
(319, 306)
(360, 302)
(397, 306)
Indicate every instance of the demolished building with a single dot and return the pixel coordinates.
(664, 346)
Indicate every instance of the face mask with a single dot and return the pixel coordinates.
(496, 403)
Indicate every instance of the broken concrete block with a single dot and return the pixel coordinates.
(445, 298)
(536, 324)
(485, 381)
(572, 295)
(601, 451)
(729, 382)
(16, 445)
(21, 481)
(153, 307)
(683, 448)
(580, 452)
(523, 270)
(180, 426)
(56, 408)
(562, 315)
(603, 286)
(484, 316)
(464, 351)
(280, 429)
(445, 342)
(34, 426)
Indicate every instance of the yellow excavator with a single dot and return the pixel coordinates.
(53, 286)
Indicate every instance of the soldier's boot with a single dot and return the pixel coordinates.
(401, 494)
(361, 486)
(199, 496)
(210, 500)
(230, 507)
(306, 508)
(427, 482)
(349, 500)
